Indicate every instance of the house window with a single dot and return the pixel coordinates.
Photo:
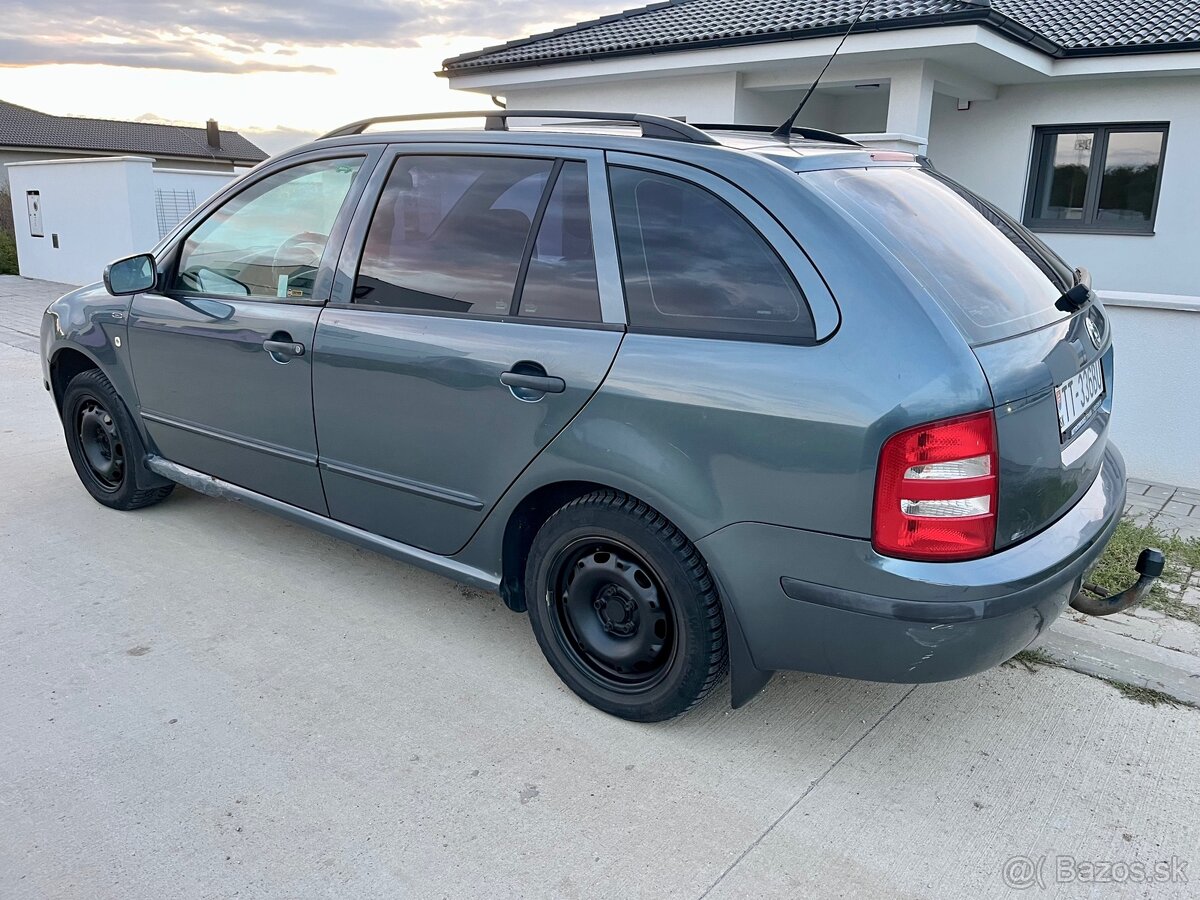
(1099, 178)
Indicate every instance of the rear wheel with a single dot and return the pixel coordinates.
(624, 608)
(105, 446)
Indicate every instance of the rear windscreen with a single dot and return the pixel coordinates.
(993, 278)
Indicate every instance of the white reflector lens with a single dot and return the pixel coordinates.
(975, 467)
(947, 509)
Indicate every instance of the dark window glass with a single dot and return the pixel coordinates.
(1098, 178)
(561, 280)
(1066, 162)
(987, 283)
(692, 263)
(449, 233)
(266, 242)
(1131, 162)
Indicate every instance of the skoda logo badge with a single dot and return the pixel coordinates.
(1093, 331)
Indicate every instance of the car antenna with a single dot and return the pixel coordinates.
(784, 131)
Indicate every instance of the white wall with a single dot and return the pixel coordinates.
(988, 149)
(1156, 412)
(702, 98)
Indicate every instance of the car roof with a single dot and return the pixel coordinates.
(798, 154)
(803, 148)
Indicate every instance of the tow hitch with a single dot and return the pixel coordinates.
(1149, 567)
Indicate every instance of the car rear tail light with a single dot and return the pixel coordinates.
(935, 493)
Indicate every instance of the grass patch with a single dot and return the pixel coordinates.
(1148, 696)
(1114, 571)
(1032, 659)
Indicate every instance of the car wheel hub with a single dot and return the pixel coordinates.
(101, 445)
(611, 614)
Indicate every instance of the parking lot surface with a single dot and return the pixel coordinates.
(199, 700)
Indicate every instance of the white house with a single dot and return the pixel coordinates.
(1079, 117)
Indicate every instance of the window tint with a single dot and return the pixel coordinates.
(560, 282)
(984, 281)
(267, 241)
(1095, 178)
(449, 233)
(692, 263)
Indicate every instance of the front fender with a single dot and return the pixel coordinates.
(91, 322)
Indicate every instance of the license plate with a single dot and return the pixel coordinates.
(1077, 396)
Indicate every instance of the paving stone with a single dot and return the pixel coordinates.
(1175, 508)
(1136, 487)
(1162, 491)
(1186, 528)
(1185, 640)
(1127, 626)
(1187, 495)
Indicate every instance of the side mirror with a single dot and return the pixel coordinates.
(131, 275)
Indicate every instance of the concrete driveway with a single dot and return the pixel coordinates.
(198, 700)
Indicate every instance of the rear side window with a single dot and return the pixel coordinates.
(450, 232)
(692, 263)
(988, 285)
(560, 282)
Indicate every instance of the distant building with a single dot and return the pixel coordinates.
(27, 135)
(85, 191)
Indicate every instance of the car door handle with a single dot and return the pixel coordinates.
(547, 384)
(284, 348)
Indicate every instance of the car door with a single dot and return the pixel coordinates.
(469, 324)
(222, 358)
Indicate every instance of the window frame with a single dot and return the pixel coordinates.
(1101, 133)
(167, 253)
(604, 242)
(814, 294)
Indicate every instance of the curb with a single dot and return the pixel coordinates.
(1118, 658)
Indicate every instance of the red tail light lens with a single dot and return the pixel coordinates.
(935, 493)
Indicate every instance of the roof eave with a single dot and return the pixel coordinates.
(997, 21)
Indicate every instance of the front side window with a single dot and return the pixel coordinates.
(449, 233)
(1095, 178)
(691, 263)
(267, 241)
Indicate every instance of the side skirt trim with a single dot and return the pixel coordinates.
(215, 487)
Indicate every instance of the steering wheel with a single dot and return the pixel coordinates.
(300, 251)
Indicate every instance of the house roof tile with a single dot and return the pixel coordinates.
(1061, 27)
(23, 127)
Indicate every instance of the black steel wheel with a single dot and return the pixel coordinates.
(105, 446)
(624, 608)
(101, 443)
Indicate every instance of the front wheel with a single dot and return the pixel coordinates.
(105, 446)
(624, 609)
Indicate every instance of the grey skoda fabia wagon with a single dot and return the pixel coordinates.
(697, 398)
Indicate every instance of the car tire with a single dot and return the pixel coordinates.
(105, 446)
(624, 608)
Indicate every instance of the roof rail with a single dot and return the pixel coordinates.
(811, 134)
(497, 120)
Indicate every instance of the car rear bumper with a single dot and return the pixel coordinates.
(821, 603)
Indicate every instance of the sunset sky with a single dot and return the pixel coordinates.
(279, 72)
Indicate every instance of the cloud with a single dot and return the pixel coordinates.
(254, 35)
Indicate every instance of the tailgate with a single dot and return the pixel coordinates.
(1053, 393)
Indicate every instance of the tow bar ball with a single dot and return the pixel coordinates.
(1149, 566)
